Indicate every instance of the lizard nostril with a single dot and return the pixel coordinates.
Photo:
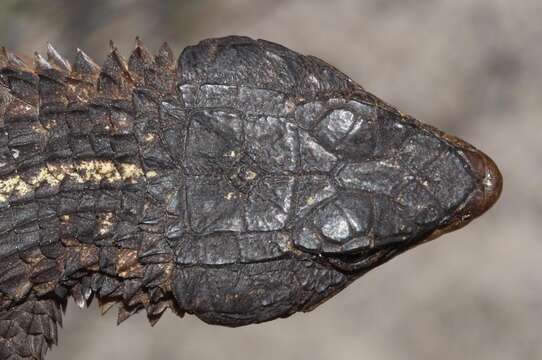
(489, 182)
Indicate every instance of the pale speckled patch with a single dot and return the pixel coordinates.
(13, 185)
(105, 223)
(88, 171)
(250, 175)
(230, 196)
(149, 137)
(128, 263)
(151, 174)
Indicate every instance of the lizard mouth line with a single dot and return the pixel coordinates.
(360, 260)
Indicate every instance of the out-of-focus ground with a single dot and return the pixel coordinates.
(472, 68)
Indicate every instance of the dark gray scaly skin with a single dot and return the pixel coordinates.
(241, 184)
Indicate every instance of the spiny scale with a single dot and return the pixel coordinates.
(165, 56)
(105, 306)
(11, 61)
(54, 57)
(42, 65)
(84, 67)
(115, 69)
(115, 66)
(139, 60)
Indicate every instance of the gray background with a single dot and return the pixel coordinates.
(472, 68)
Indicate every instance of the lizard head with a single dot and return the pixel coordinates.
(400, 183)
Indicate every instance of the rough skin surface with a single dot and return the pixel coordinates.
(243, 183)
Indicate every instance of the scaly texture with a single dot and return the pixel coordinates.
(243, 183)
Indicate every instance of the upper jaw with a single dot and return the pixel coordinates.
(487, 190)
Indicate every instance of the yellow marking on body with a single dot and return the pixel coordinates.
(39, 129)
(250, 175)
(87, 171)
(44, 176)
(103, 170)
(149, 137)
(128, 263)
(122, 122)
(130, 172)
(167, 270)
(106, 223)
(14, 185)
(289, 105)
(230, 196)
(50, 125)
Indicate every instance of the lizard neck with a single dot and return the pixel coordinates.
(88, 191)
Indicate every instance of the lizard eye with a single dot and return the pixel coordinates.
(339, 226)
(348, 130)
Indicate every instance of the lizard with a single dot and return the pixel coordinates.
(242, 183)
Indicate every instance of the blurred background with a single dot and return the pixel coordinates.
(471, 68)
